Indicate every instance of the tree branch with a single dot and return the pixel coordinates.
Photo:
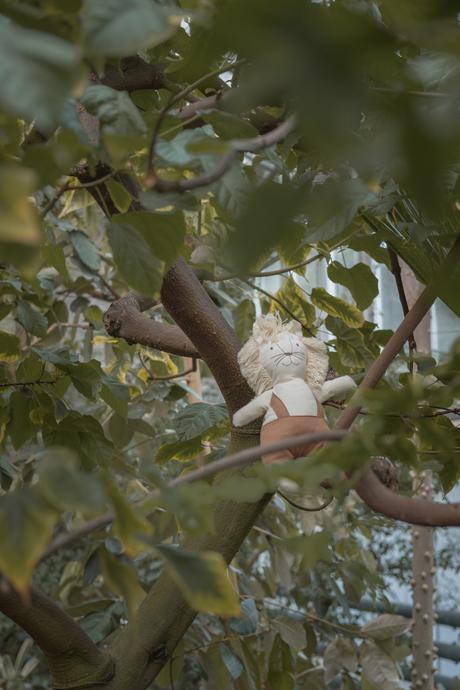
(123, 319)
(60, 638)
(252, 145)
(134, 74)
(370, 488)
(193, 310)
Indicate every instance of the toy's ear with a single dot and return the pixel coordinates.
(257, 333)
(294, 327)
(317, 363)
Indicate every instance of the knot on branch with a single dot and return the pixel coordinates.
(112, 322)
(386, 472)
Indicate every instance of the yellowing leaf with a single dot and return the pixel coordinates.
(122, 578)
(26, 523)
(203, 579)
(337, 307)
(9, 347)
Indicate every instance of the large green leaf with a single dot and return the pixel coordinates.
(65, 486)
(10, 347)
(163, 232)
(202, 578)
(337, 307)
(197, 418)
(121, 577)
(291, 296)
(244, 316)
(331, 207)
(26, 523)
(263, 222)
(385, 626)
(116, 112)
(37, 71)
(31, 319)
(122, 27)
(359, 279)
(378, 666)
(133, 258)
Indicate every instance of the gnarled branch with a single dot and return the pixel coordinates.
(124, 319)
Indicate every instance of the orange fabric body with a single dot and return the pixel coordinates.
(290, 425)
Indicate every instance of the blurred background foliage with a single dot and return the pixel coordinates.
(89, 422)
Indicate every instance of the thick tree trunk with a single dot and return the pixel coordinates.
(142, 649)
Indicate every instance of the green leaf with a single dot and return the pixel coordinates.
(264, 220)
(378, 666)
(164, 233)
(116, 395)
(128, 526)
(20, 427)
(31, 319)
(122, 578)
(179, 450)
(244, 316)
(85, 249)
(280, 666)
(119, 195)
(45, 69)
(133, 258)
(312, 548)
(291, 296)
(203, 579)
(118, 28)
(116, 112)
(10, 347)
(291, 631)
(339, 654)
(385, 626)
(359, 279)
(230, 126)
(18, 220)
(197, 418)
(331, 207)
(337, 307)
(63, 484)
(176, 151)
(26, 523)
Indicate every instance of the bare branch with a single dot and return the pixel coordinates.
(176, 98)
(252, 145)
(124, 319)
(370, 488)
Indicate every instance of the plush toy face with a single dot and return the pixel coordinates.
(283, 357)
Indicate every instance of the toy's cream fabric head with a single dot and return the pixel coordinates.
(277, 349)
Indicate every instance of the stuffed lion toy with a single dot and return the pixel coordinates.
(288, 374)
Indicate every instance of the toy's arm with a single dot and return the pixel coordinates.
(337, 388)
(254, 409)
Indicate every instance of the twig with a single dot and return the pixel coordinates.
(173, 99)
(396, 271)
(252, 145)
(169, 377)
(68, 187)
(231, 462)
(19, 384)
(278, 301)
